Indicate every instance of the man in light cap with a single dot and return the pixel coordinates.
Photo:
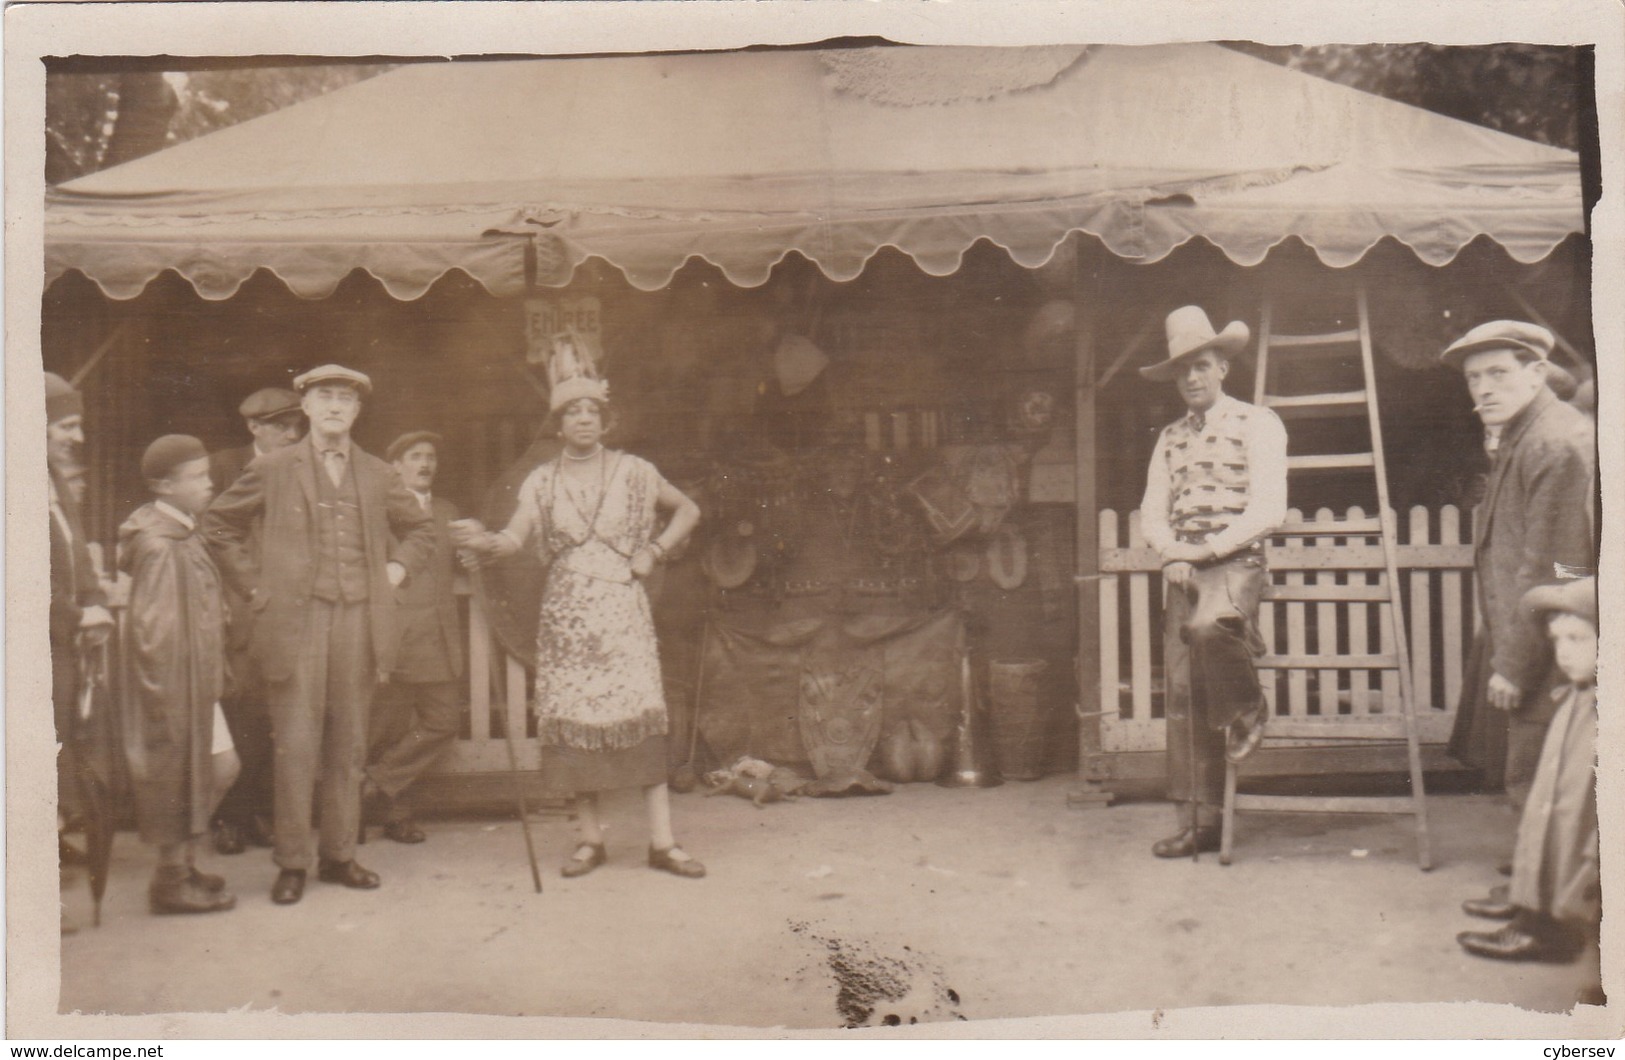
(275, 421)
(78, 612)
(321, 580)
(416, 715)
(1533, 527)
(1215, 489)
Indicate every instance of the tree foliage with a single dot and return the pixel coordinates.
(99, 118)
(1528, 90)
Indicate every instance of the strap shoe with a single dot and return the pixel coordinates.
(666, 861)
(588, 856)
(1188, 843)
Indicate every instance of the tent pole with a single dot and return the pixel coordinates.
(1087, 791)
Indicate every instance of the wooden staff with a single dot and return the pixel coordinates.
(478, 579)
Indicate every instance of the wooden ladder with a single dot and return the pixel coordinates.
(1386, 594)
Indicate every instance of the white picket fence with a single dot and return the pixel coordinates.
(1435, 564)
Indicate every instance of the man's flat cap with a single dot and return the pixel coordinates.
(269, 403)
(332, 373)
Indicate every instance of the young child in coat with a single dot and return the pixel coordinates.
(180, 754)
(1554, 901)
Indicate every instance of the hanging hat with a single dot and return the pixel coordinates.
(1189, 333)
(572, 373)
(729, 560)
(61, 399)
(964, 562)
(332, 373)
(268, 404)
(169, 452)
(1575, 597)
(406, 441)
(1513, 335)
(1007, 558)
(797, 362)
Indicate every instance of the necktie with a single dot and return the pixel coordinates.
(334, 461)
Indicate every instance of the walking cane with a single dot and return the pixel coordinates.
(478, 578)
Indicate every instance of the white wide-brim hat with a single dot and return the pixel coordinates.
(1189, 333)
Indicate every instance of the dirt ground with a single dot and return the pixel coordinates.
(928, 904)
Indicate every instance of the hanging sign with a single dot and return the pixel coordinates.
(546, 317)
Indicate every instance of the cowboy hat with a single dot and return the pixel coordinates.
(1189, 333)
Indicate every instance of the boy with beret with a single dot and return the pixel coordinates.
(1555, 896)
(181, 756)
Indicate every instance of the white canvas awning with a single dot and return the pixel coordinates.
(742, 158)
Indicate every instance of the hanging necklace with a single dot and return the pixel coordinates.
(589, 456)
(605, 473)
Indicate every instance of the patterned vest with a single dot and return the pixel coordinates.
(1207, 468)
(341, 559)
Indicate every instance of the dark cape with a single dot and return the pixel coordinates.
(176, 644)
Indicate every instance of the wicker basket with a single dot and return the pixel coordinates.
(1019, 722)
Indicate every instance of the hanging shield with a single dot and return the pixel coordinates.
(839, 717)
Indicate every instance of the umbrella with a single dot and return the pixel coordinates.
(96, 744)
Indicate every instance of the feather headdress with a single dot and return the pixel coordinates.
(572, 372)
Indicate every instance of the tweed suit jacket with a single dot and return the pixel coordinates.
(1537, 514)
(431, 633)
(279, 491)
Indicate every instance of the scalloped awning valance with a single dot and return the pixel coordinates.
(738, 159)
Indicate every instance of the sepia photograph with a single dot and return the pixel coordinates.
(814, 534)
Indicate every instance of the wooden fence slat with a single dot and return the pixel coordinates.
(1111, 644)
(1421, 619)
(1450, 611)
(1297, 640)
(1326, 628)
(1132, 568)
(1358, 636)
(1310, 557)
(479, 676)
(1139, 629)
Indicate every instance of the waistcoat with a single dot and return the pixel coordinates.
(341, 560)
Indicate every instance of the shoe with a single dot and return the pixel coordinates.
(1514, 943)
(228, 838)
(404, 831)
(1495, 906)
(1504, 869)
(180, 894)
(68, 854)
(684, 866)
(1242, 736)
(260, 832)
(348, 873)
(588, 856)
(289, 887)
(1187, 843)
(206, 880)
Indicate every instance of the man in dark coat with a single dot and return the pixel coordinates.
(1534, 527)
(273, 418)
(321, 585)
(78, 610)
(181, 759)
(416, 715)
